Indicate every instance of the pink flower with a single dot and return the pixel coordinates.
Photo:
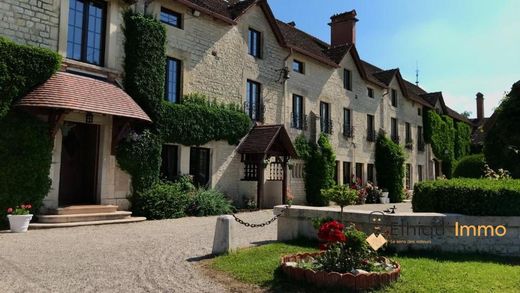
(22, 206)
(10, 210)
(28, 206)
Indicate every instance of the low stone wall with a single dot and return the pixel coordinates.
(419, 231)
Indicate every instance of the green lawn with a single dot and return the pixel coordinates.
(421, 271)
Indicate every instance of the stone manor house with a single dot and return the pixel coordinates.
(289, 82)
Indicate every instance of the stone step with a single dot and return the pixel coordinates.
(83, 217)
(128, 220)
(84, 209)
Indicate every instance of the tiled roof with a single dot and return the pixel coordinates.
(337, 53)
(74, 92)
(263, 139)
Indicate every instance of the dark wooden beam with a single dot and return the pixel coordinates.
(55, 119)
(284, 182)
(260, 184)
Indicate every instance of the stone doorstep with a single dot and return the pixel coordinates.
(83, 217)
(84, 209)
(128, 220)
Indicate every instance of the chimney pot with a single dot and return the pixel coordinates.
(292, 23)
(343, 28)
(480, 106)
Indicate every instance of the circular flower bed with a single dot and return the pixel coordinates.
(359, 280)
(346, 261)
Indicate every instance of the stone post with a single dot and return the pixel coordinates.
(224, 239)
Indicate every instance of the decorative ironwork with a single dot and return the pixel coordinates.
(327, 126)
(275, 171)
(420, 145)
(395, 138)
(371, 135)
(299, 121)
(409, 144)
(348, 131)
(250, 171)
(255, 111)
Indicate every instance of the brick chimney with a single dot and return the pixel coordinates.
(480, 106)
(343, 28)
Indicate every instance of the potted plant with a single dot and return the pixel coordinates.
(342, 195)
(19, 218)
(384, 198)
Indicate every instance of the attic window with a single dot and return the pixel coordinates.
(370, 92)
(347, 79)
(255, 43)
(171, 18)
(298, 66)
(394, 98)
(419, 111)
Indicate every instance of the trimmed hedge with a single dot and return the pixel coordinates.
(25, 156)
(477, 197)
(389, 165)
(470, 167)
(163, 200)
(21, 69)
(196, 121)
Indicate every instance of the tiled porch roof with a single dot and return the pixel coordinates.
(74, 92)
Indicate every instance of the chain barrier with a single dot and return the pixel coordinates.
(252, 225)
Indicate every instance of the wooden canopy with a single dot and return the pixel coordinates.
(268, 140)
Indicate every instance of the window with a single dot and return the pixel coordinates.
(253, 104)
(170, 162)
(348, 131)
(347, 79)
(255, 43)
(394, 133)
(420, 173)
(359, 171)
(171, 18)
(370, 173)
(325, 123)
(408, 176)
(173, 80)
(370, 92)
(298, 66)
(408, 134)
(86, 31)
(199, 166)
(419, 111)
(297, 112)
(347, 173)
(371, 133)
(394, 98)
(336, 172)
(420, 139)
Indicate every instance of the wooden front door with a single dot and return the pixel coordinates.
(79, 164)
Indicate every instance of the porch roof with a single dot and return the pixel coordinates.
(268, 140)
(70, 91)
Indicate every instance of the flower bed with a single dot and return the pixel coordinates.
(360, 280)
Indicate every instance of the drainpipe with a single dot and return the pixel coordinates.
(285, 86)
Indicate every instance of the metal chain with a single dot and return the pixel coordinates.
(252, 225)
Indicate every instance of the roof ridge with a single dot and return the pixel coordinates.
(313, 37)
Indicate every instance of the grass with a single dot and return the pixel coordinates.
(421, 271)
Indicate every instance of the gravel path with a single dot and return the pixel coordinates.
(151, 256)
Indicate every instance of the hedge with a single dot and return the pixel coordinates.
(25, 156)
(477, 197)
(471, 166)
(197, 121)
(21, 69)
(389, 165)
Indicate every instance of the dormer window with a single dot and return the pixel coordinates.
(255, 43)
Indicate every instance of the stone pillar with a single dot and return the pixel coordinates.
(224, 239)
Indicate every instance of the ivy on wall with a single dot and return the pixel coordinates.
(389, 163)
(196, 121)
(319, 167)
(449, 140)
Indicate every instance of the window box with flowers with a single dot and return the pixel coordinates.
(19, 218)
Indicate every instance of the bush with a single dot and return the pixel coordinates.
(470, 167)
(196, 121)
(21, 69)
(140, 156)
(163, 200)
(209, 202)
(502, 142)
(25, 156)
(390, 167)
(478, 197)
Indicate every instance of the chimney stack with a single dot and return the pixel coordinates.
(480, 106)
(343, 28)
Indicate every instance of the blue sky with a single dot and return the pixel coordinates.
(461, 46)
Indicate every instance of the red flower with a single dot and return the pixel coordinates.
(10, 210)
(331, 232)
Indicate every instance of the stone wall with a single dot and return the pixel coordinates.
(31, 22)
(418, 231)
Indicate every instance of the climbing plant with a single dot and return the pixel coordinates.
(462, 140)
(389, 163)
(319, 167)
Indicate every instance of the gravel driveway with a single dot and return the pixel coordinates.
(151, 256)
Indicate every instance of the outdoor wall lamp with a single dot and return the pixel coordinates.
(89, 118)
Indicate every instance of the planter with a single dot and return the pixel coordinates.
(19, 223)
(361, 281)
(384, 198)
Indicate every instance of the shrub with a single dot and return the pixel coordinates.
(470, 167)
(140, 156)
(25, 156)
(319, 167)
(502, 142)
(196, 121)
(21, 69)
(209, 202)
(342, 195)
(479, 197)
(390, 167)
(163, 200)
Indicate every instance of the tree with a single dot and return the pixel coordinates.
(466, 114)
(502, 143)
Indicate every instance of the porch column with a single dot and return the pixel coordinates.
(260, 184)
(284, 182)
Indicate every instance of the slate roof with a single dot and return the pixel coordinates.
(262, 139)
(70, 91)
